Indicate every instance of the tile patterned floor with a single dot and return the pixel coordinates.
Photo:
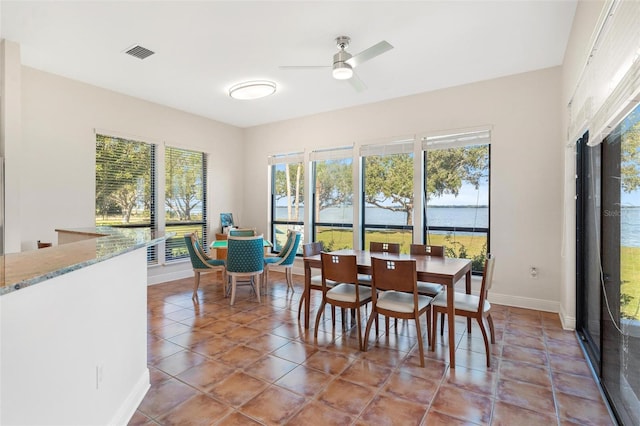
(212, 364)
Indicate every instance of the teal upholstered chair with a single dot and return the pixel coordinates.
(245, 258)
(200, 261)
(285, 258)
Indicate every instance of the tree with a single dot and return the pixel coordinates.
(288, 185)
(123, 170)
(630, 162)
(183, 182)
(389, 178)
(334, 184)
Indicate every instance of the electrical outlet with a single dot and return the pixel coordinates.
(533, 272)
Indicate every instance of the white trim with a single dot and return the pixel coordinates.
(294, 157)
(524, 302)
(568, 322)
(133, 400)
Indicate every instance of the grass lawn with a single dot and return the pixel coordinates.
(630, 276)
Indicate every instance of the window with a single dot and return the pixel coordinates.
(125, 185)
(333, 198)
(287, 197)
(185, 199)
(456, 189)
(388, 196)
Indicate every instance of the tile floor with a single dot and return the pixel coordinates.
(250, 364)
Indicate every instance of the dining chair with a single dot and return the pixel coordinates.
(242, 232)
(315, 281)
(378, 247)
(394, 293)
(245, 258)
(346, 293)
(285, 258)
(428, 289)
(470, 306)
(201, 262)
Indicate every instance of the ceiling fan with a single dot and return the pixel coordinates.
(344, 62)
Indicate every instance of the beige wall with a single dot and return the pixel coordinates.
(526, 165)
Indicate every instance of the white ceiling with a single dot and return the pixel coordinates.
(204, 47)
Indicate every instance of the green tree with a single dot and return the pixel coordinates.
(288, 186)
(183, 182)
(334, 184)
(123, 170)
(630, 162)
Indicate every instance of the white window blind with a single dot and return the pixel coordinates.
(610, 82)
(404, 146)
(294, 157)
(456, 140)
(331, 154)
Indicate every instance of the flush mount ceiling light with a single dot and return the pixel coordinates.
(252, 89)
(342, 71)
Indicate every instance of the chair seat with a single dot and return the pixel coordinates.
(398, 301)
(462, 302)
(316, 280)
(272, 259)
(347, 293)
(215, 262)
(429, 289)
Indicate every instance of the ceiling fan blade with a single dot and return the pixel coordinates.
(357, 84)
(370, 53)
(302, 67)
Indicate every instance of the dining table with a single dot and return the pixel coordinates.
(434, 269)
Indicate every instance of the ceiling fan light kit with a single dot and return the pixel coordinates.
(250, 90)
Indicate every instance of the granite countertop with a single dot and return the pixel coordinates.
(21, 270)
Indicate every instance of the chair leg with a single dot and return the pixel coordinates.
(300, 305)
(491, 329)
(233, 289)
(289, 277)
(420, 346)
(359, 327)
(320, 311)
(434, 325)
(368, 329)
(257, 281)
(442, 323)
(386, 325)
(196, 284)
(486, 340)
(429, 326)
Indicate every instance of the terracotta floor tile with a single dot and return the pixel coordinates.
(328, 362)
(570, 365)
(206, 375)
(435, 418)
(240, 356)
(162, 398)
(387, 409)
(198, 410)
(563, 347)
(366, 373)
(318, 413)
(171, 330)
(138, 419)
(179, 362)
(463, 405)
(243, 334)
(295, 352)
(388, 357)
(532, 356)
(476, 360)
(507, 415)
(403, 385)
(273, 406)
(160, 348)
(433, 370)
(270, 368)
(305, 381)
(267, 342)
(346, 396)
(524, 372)
(480, 382)
(536, 342)
(238, 419)
(525, 395)
(582, 411)
(476, 344)
(237, 389)
(582, 386)
(213, 347)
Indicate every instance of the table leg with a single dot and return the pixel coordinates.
(467, 286)
(307, 293)
(451, 322)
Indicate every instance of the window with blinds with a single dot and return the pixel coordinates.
(125, 185)
(287, 196)
(332, 186)
(185, 199)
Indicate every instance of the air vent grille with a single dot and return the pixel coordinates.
(139, 52)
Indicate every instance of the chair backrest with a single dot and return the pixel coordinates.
(242, 232)
(311, 249)
(245, 254)
(289, 256)
(427, 249)
(197, 255)
(487, 279)
(377, 247)
(341, 268)
(392, 274)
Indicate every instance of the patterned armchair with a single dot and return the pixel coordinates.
(285, 258)
(200, 261)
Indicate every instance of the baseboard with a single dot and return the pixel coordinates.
(168, 276)
(524, 302)
(133, 400)
(568, 322)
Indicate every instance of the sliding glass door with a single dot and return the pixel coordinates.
(609, 263)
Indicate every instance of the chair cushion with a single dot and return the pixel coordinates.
(317, 281)
(347, 293)
(462, 302)
(429, 289)
(215, 262)
(272, 259)
(398, 301)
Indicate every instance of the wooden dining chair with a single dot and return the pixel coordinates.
(394, 293)
(470, 306)
(308, 250)
(428, 289)
(201, 262)
(378, 247)
(346, 294)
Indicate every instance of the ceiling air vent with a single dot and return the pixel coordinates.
(139, 52)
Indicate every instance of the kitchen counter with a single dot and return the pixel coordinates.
(94, 245)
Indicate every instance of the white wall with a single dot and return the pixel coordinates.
(526, 166)
(59, 116)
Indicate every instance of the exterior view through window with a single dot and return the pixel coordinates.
(456, 188)
(287, 198)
